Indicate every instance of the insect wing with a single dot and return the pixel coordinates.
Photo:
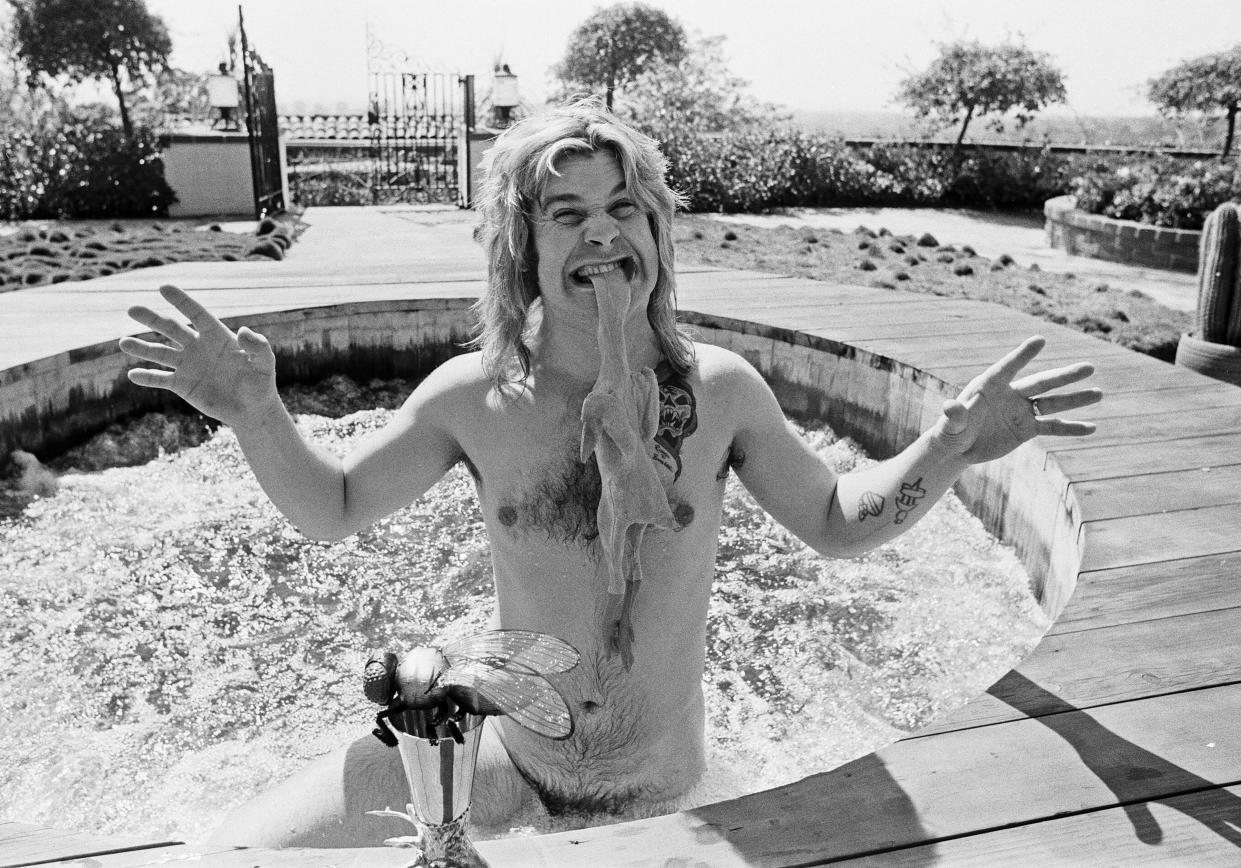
(529, 699)
(519, 650)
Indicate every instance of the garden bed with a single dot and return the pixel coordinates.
(1099, 237)
(39, 253)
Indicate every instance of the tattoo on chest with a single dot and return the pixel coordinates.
(564, 502)
(678, 418)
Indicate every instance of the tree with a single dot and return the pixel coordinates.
(615, 45)
(99, 39)
(1204, 84)
(970, 80)
(694, 95)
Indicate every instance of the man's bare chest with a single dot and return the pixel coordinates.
(533, 482)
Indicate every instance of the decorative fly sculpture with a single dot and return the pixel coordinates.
(436, 700)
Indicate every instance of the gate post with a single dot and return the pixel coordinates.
(262, 128)
(465, 163)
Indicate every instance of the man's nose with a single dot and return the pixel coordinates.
(601, 229)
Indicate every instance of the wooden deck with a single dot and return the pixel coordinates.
(1115, 743)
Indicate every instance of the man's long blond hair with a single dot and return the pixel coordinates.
(516, 171)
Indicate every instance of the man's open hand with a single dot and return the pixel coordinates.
(997, 413)
(230, 377)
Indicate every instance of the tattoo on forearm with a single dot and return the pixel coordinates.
(907, 500)
(869, 504)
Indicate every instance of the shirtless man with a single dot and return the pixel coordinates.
(572, 190)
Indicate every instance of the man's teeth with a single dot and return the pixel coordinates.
(591, 270)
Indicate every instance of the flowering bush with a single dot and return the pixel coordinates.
(1160, 190)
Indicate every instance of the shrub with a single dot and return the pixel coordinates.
(330, 187)
(116, 176)
(1024, 178)
(56, 165)
(780, 167)
(1161, 190)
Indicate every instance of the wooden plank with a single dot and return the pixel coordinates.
(1153, 426)
(953, 328)
(1090, 668)
(1139, 373)
(801, 313)
(1149, 493)
(960, 360)
(1186, 533)
(1110, 368)
(28, 844)
(776, 294)
(1105, 598)
(1130, 459)
(910, 348)
(937, 787)
(218, 856)
(1195, 395)
(1194, 829)
(199, 276)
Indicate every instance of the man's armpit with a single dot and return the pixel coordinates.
(734, 460)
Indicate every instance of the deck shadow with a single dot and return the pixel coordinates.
(822, 818)
(1135, 775)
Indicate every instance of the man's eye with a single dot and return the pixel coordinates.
(567, 218)
(624, 209)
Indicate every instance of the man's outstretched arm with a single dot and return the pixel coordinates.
(846, 516)
(232, 377)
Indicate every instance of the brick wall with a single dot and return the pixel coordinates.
(1098, 237)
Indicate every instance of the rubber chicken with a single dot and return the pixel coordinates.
(619, 418)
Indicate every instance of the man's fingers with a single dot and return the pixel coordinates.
(169, 328)
(1044, 381)
(1049, 405)
(1006, 368)
(199, 316)
(151, 379)
(1064, 428)
(149, 352)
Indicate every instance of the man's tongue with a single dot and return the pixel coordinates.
(612, 294)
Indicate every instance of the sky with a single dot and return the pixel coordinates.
(804, 54)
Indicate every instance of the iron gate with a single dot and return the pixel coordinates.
(263, 128)
(418, 123)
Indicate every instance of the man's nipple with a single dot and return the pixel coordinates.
(683, 513)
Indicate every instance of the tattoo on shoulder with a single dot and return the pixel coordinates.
(911, 494)
(870, 504)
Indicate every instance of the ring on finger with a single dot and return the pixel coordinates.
(1034, 407)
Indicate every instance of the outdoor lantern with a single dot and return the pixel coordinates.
(222, 97)
(504, 94)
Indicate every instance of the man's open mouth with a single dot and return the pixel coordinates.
(583, 274)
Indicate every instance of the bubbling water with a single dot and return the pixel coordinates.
(170, 645)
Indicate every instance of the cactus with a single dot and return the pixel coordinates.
(1219, 277)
